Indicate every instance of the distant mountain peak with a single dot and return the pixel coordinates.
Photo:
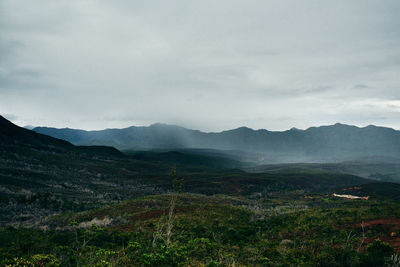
(338, 124)
(243, 129)
(159, 124)
(160, 127)
(295, 129)
(29, 127)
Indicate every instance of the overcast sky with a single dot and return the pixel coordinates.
(209, 65)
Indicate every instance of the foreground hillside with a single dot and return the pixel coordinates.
(283, 230)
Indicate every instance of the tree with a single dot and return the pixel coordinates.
(164, 232)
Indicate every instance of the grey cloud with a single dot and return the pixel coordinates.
(360, 86)
(210, 65)
(20, 79)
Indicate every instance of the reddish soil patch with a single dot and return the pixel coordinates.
(236, 188)
(130, 208)
(229, 187)
(352, 188)
(391, 223)
(232, 188)
(391, 228)
(135, 207)
(157, 213)
(127, 227)
(150, 215)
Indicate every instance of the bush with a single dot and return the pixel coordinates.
(378, 253)
(37, 260)
(174, 255)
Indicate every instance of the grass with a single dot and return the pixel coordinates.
(220, 230)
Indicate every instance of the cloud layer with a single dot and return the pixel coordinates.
(210, 65)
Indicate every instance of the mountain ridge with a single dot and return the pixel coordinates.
(331, 143)
(158, 124)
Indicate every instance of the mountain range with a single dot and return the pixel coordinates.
(332, 143)
(42, 175)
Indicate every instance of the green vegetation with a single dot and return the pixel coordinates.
(286, 230)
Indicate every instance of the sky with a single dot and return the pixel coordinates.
(208, 65)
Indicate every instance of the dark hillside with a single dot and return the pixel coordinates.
(10, 134)
(15, 137)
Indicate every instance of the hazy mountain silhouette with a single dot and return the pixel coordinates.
(316, 144)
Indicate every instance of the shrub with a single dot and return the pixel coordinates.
(377, 254)
(174, 255)
(37, 260)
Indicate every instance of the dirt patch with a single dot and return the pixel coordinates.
(350, 196)
(352, 188)
(229, 187)
(236, 188)
(103, 213)
(392, 223)
(130, 227)
(390, 228)
(144, 216)
(158, 213)
(148, 215)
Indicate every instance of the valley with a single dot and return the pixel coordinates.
(68, 205)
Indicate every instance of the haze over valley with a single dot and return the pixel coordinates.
(333, 143)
